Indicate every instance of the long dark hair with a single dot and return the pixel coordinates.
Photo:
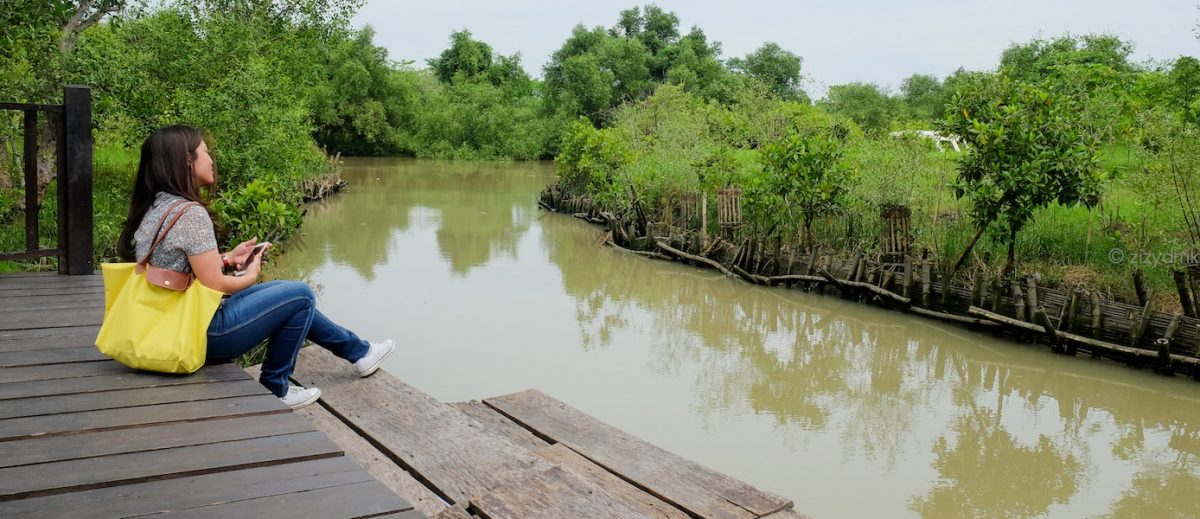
(166, 166)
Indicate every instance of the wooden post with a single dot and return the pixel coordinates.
(1096, 317)
(31, 182)
(1164, 346)
(1139, 286)
(947, 285)
(75, 178)
(1139, 327)
(704, 219)
(1194, 285)
(1018, 300)
(1031, 293)
(997, 294)
(1041, 318)
(908, 276)
(1072, 319)
(1182, 287)
(979, 288)
(926, 272)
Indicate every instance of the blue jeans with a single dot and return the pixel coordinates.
(285, 313)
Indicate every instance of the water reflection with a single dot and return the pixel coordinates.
(480, 210)
(933, 421)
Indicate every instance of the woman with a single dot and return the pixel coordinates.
(174, 166)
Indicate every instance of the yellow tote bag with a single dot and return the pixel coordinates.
(153, 328)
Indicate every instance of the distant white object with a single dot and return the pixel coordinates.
(936, 137)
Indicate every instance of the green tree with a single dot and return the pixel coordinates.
(1027, 150)
(864, 103)
(1183, 88)
(775, 66)
(466, 57)
(924, 97)
(805, 175)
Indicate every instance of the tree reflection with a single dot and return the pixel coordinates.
(480, 209)
(986, 472)
(820, 363)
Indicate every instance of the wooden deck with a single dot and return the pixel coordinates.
(83, 436)
(524, 455)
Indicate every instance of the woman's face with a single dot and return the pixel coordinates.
(202, 166)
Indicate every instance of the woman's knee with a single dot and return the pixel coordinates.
(296, 290)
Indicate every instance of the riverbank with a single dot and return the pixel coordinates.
(1068, 320)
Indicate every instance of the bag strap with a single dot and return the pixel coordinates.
(161, 234)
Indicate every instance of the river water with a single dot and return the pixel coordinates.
(850, 410)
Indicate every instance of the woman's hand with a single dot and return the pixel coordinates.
(238, 255)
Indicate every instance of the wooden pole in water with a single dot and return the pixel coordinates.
(1139, 328)
(1185, 299)
(1164, 346)
(1031, 293)
(1073, 312)
(1139, 286)
(997, 294)
(908, 276)
(1018, 300)
(704, 219)
(1096, 317)
(1041, 318)
(926, 272)
(979, 288)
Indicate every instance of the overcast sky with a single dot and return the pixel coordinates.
(878, 41)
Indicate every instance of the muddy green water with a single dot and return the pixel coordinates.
(849, 410)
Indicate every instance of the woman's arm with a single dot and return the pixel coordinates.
(207, 267)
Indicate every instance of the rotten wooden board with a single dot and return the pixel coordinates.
(490, 418)
(365, 499)
(697, 489)
(647, 505)
(453, 454)
(553, 494)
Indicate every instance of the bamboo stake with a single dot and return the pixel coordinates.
(926, 272)
(1181, 286)
(1040, 317)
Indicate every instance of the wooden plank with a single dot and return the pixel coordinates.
(122, 380)
(552, 494)
(52, 291)
(83, 340)
(572, 462)
(31, 302)
(378, 464)
(54, 280)
(786, 514)
(107, 419)
(366, 499)
(454, 513)
(491, 419)
(15, 275)
(679, 481)
(162, 436)
(136, 467)
(60, 371)
(55, 304)
(33, 319)
(61, 331)
(453, 454)
(51, 356)
(190, 492)
(60, 404)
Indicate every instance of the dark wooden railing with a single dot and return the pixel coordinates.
(74, 158)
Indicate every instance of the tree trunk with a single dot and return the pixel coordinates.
(1012, 250)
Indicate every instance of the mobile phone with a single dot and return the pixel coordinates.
(258, 249)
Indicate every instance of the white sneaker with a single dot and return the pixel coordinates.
(298, 397)
(374, 357)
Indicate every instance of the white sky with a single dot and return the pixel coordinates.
(854, 40)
